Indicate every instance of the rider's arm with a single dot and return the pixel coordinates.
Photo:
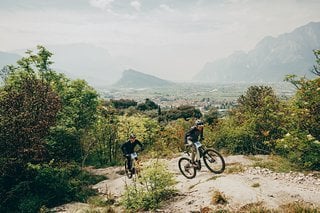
(190, 134)
(140, 144)
(201, 135)
(123, 148)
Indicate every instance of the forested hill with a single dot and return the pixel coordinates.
(270, 60)
(134, 79)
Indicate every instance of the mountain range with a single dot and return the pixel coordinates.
(270, 60)
(79, 60)
(135, 79)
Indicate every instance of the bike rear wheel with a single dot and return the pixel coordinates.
(128, 172)
(186, 168)
(214, 161)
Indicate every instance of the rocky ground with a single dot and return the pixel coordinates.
(241, 185)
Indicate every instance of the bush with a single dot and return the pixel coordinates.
(46, 185)
(301, 149)
(156, 186)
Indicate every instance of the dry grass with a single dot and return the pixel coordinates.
(218, 198)
(255, 185)
(254, 158)
(99, 201)
(121, 172)
(234, 168)
(254, 208)
(100, 210)
(276, 164)
(214, 177)
(294, 207)
(299, 207)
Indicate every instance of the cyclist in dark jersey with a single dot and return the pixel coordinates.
(193, 135)
(128, 148)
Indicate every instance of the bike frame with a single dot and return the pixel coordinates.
(199, 151)
(133, 157)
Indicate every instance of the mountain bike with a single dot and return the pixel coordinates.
(211, 158)
(134, 168)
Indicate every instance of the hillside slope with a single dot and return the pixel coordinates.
(273, 190)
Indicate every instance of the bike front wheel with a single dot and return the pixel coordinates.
(126, 169)
(186, 168)
(214, 161)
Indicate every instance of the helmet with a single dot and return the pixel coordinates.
(132, 135)
(199, 123)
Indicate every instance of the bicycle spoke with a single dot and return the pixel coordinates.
(186, 168)
(214, 161)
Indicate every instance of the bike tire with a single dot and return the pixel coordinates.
(186, 169)
(128, 173)
(218, 165)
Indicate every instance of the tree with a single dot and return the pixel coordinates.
(31, 106)
(300, 145)
(27, 111)
(122, 103)
(183, 111)
(316, 68)
(101, 145)
(255, 125)
(80, 102)
(147, 105)
(212, 116)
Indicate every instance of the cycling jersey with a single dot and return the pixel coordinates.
(193, 135)
(128, 147)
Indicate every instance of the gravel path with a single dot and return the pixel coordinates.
(251, 185)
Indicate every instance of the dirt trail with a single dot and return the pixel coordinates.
(273, 189)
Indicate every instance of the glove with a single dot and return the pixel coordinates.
(187, 145)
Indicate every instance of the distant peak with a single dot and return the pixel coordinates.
(136, 79)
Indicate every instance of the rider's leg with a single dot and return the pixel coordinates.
(193, 150)
(129, 162)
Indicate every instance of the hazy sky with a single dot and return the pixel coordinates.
(172, 39)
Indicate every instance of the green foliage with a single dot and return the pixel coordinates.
(48, 185)
(27, 111)
(122, 103)
(101, 145)
(316, 68)
(146, 129)
(148, 105)
(253, 127)
(212, 116)
(234, 137)
(38, 108)
(184, 111)
(77, 115)
(301, 142)
(307, 106)
(156, 187)
(301, 149)
(171, 138)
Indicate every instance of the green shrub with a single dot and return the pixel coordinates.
(47, 185)
(301, 149)
(155, 186)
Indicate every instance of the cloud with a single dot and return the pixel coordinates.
(197, 31)
(136, 5)
(102, 4)
(166, 8)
